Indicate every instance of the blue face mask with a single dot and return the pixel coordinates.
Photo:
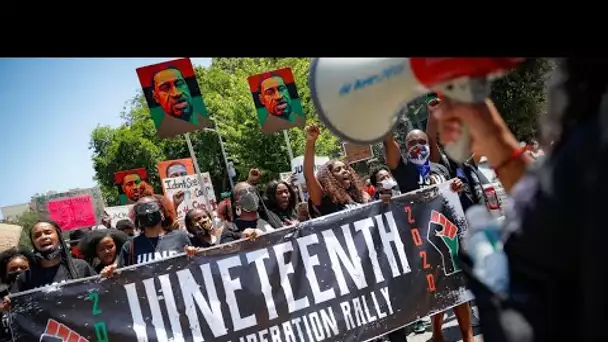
(419, 154)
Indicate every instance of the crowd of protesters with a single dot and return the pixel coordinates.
(152, 231)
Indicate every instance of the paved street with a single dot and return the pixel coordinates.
(451, 333)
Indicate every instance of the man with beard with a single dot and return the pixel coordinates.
(176, 169)
(274, 95)
(131, 185)
(171, 92)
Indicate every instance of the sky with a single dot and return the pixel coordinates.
(49, 109)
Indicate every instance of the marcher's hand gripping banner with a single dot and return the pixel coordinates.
(350, 276)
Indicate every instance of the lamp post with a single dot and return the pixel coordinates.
(223, 155)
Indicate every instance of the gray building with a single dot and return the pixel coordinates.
(12, 212)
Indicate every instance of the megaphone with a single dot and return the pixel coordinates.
(359, 99)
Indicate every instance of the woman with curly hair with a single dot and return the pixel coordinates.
(281, 203)
(336, 185)
(100, 247)
(155, 218)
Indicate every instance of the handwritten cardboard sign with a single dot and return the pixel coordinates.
(194, 193)
(356, 153)
(72, 212)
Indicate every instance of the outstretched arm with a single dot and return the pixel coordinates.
(315, 190)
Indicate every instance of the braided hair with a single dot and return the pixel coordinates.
(64, 251)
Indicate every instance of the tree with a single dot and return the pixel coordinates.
(227, 97)
(521, 97)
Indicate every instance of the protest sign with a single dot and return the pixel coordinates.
(131, 184)
(117, 213)
(285, 176)
(276, 100)
(173, 97)
(175, 168)
(356, 153)
(194, 195)
(297, 165)
(74, 209)
(350, 276)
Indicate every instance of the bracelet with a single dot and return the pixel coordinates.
(517, 153)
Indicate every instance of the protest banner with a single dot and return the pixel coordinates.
(356, 153)
(194, 195)
(276, 100)
(350, 276)
(117, 213)
(75, 209)
(297, 165)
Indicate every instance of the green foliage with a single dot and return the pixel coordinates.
(226, 93)
(521, 97)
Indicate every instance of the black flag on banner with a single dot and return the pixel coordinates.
(350, 276)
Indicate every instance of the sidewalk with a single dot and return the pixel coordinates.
(451, 333)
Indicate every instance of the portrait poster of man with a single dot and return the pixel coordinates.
(175, 168)
(174, 97)
(130, 184)
(276, 100)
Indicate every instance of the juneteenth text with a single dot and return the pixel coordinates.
(305, 283)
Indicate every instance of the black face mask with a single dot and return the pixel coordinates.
(148, 214)
(11, 277)
(49, 254)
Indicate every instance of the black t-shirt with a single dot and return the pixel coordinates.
(148, 249)
(328, 207)
(38, 276)
(467, 197)
(407, 177)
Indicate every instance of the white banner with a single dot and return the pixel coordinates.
(297, 165)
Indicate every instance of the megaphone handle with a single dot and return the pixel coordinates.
(471, 90)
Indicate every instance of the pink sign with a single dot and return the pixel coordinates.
(73, 212)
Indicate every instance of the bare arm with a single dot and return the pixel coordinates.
(392, 152)
(431, 132)
(315, 190)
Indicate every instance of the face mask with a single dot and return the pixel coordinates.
(249, 202)
(148, 215)
(388, 184)
(419, 154)
(49, 254)
(12, 276)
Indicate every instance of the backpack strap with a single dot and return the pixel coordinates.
(132, 252)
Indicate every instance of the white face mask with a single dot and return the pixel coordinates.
(388, 184)
(419, 154)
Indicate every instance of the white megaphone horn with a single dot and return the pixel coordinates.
(359, 99)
